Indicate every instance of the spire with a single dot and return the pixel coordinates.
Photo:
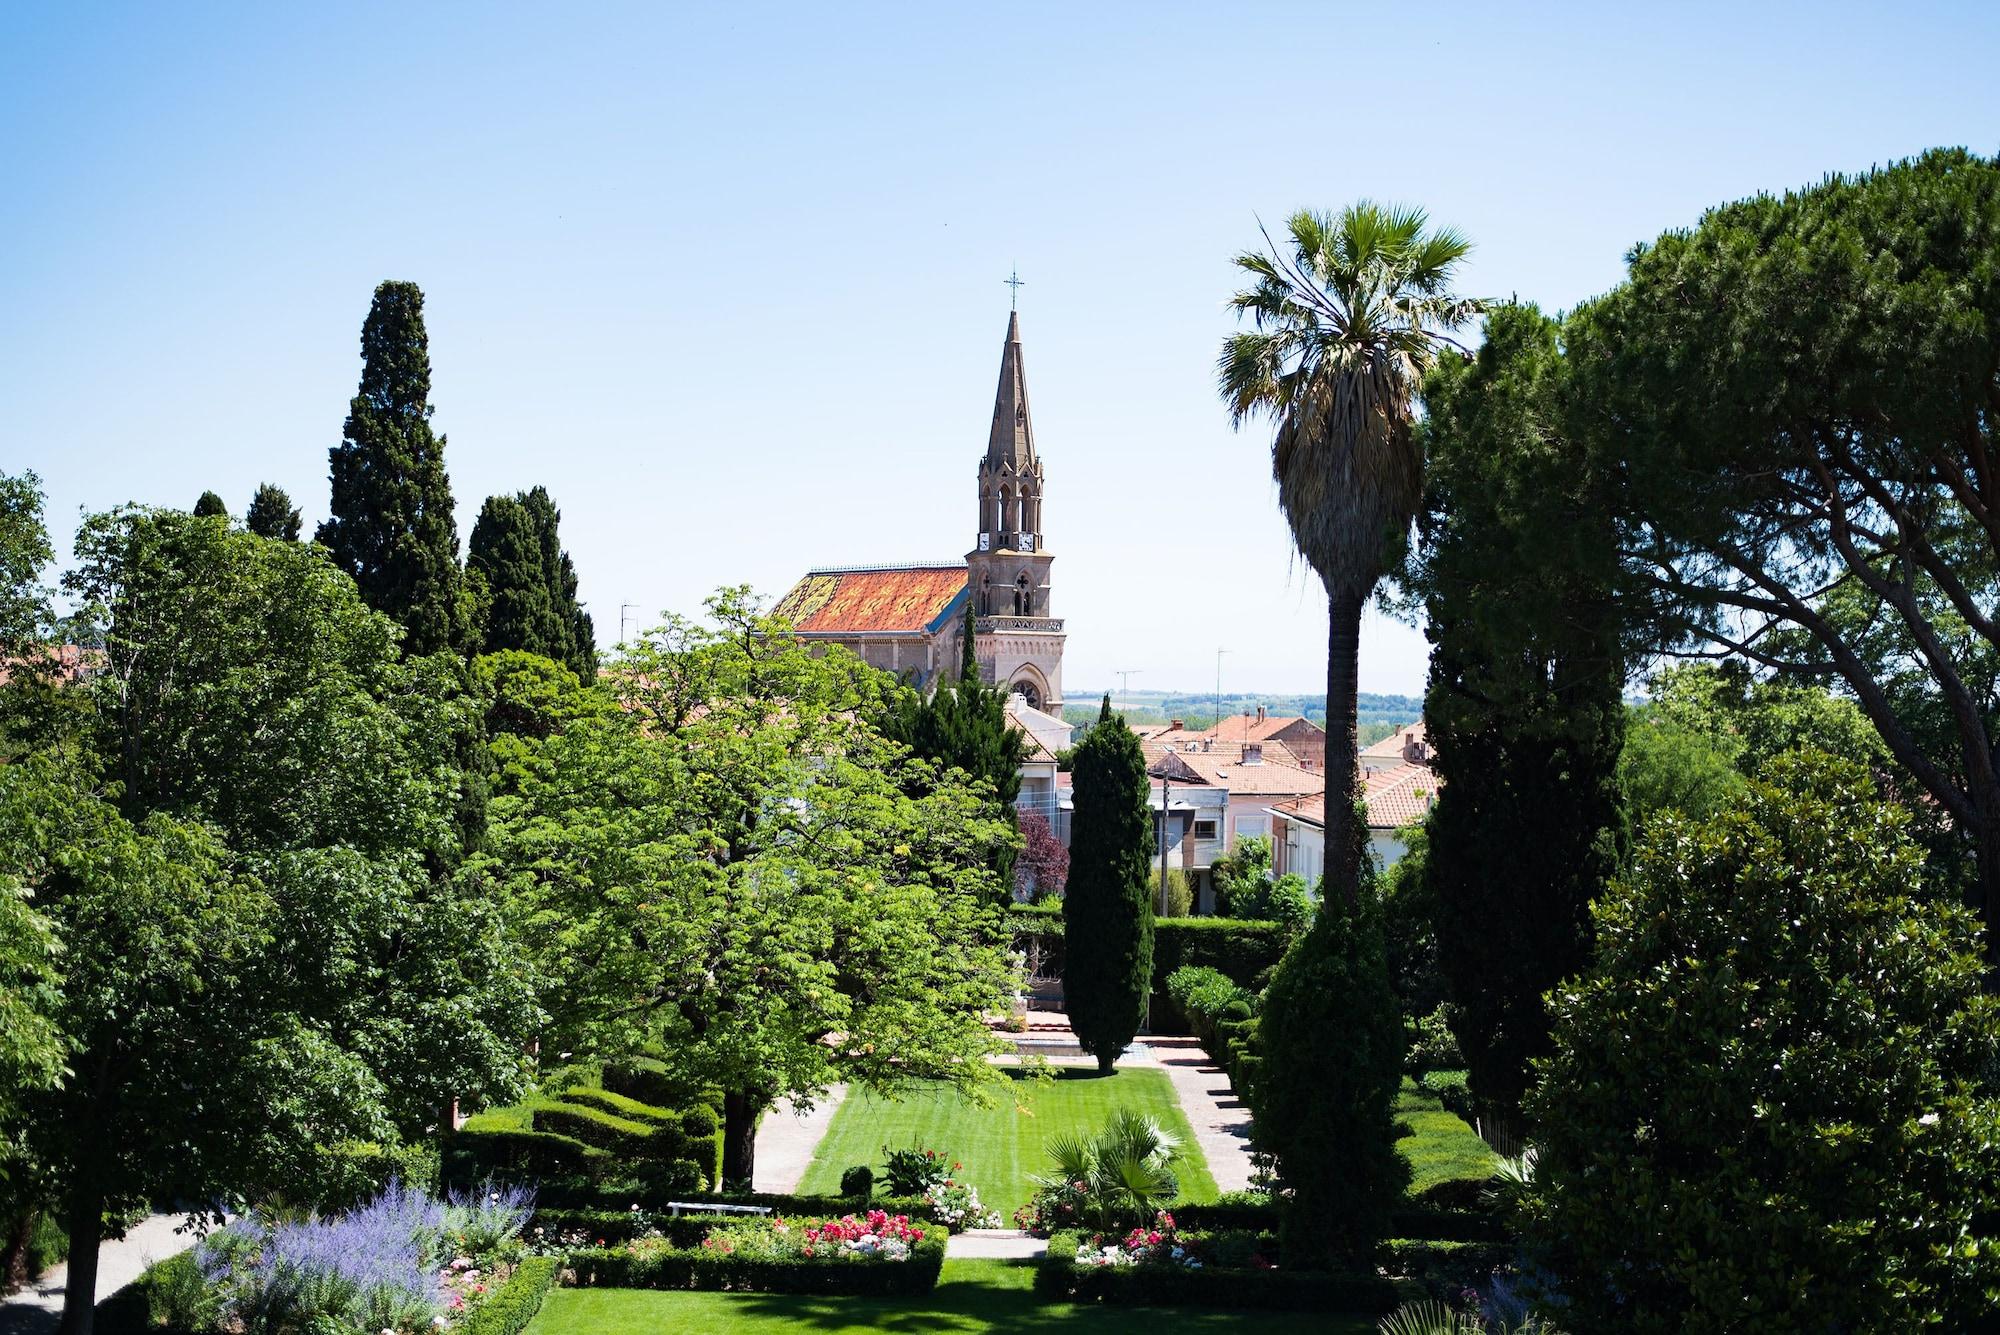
(1013, 436)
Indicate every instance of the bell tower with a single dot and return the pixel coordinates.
(1016, 640)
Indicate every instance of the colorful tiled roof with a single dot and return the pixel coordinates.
(857, 600)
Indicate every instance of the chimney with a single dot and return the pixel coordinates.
(1176, 725)
(1253, 753)
(1260, 713)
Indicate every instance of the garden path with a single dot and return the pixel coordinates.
(994, 1244)
(786, 1140)
(36, 1309)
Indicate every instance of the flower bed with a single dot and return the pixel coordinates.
(876, 1253)
(1168, 1267)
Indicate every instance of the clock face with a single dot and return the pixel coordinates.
(985, 541)
(1027, 543)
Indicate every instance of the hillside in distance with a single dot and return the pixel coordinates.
(1378, 715)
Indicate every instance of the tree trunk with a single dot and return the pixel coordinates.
(86, 1223)
(1346, 833)
(14, 1255)
(739, 1141)
(1986, 844)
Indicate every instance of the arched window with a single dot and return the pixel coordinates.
(1024, 596)
(999, 512)
(1010, 512)
(1031, 696)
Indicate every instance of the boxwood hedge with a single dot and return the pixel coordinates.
(1058, 1277)
(698, 1268)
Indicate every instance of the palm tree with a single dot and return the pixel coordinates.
(1126, 1170)
(1345, 326)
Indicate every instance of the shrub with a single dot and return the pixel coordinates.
(858, 1182)
(1324, 1098)
(1107, 906)
(914, 1171)
(1116, 1179)
(509, 1310)
(1059, 1277)
(1245, 951)
(619, 1105)
(473, 1153)
(656, 1264)
(340, 1177)
(594, 1126)
(1432, 1046)
(1766, 1105)
(1178, 902)
(645, 1079)
(1452, 1091)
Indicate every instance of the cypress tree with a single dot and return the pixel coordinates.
(968, 648)
(392, 526)
(523, 584)
(272, 515)
(570, 627)
(510, 589)
(210, 505)
(1104, 712)
(1107, 903)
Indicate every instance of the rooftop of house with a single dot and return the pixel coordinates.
(1398, 744)
(861, 600)
(1257, 727)
(1397, 797)
(1243, 771)
(1226, 752)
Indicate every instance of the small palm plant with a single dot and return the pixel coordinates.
(1430, 1318)
(1118, 1178)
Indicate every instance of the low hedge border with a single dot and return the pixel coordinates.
(698, 1268)
(692, 1225)
(1058, 1278)
(509, 1311)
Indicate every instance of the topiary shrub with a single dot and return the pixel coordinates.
(1107, 904)
(1324, 1096)
(858, 1182)
(645, 1079)
(1768, 1102)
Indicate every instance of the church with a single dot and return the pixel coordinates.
(909, 619)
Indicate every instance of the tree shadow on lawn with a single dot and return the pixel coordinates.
(987, 1295)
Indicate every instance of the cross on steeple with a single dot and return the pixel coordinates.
(1015, 281)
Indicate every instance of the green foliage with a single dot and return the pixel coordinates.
(1058, 1278)
(24, 553)
(1768, 1104)
(1331, 1038)
(1409, 927)
(1432, 1044)
(1796, 397)
(1245, 951)
(341, 1177)
(523, 585)
(962, 724)
(1178, 900)
(1242, 875)
(391, 526)
(509, 1310)
(735, 847)
(210, 506)
(1449, 1164)
(272, 514)
(1107, 906)
(1524, 703)
(705, 1268)
(1118, 1176)
(857, 1182)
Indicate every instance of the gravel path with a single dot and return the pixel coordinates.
(786, 1140)
(1218, 1116)
(36, 1309)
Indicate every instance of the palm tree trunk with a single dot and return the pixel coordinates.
(1346, 833)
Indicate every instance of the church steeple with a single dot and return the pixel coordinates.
(1013, 436)
(1010, 476)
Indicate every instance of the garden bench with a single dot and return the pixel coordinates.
(713, 1207)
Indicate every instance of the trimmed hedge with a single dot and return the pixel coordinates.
(603, 1212)
(699, 1268)
(618, 1105)
(1240, 948)
(1058, 1277)
(472, 1153)
(509, 1311)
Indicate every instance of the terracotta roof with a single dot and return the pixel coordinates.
(1391, 747)
(1227, 753)
(1397, 796)
(1250, 728)
(856, 600)
(1219, 769)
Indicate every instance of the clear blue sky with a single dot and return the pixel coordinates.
(728, 280)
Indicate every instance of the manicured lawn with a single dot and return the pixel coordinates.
(1001, 1145)
(1441, 1147)
(971, 1296)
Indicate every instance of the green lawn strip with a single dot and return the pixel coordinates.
(971, 1296)
(1001, 1145)
(1440, 1147)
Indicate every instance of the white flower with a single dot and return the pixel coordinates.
(1928, 1119)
